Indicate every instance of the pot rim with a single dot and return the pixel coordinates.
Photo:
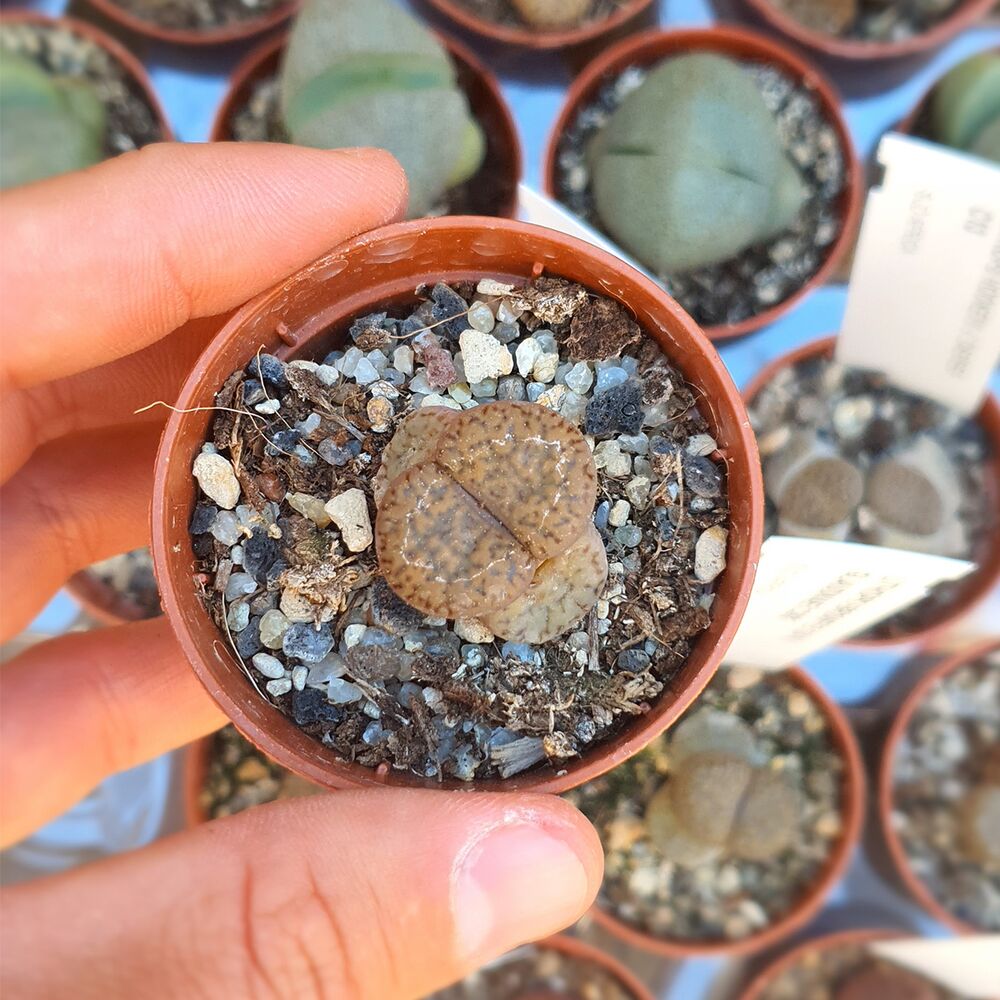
(658, 44)
(702, 363)
(197, 37)
(132, 66)
(824, 942)
(852, 810)
(988, 417)
(577, 948)
(916, 887)
(526, 38)
(251, 65)
(964, 16)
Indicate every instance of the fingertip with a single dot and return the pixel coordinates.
(384, 171)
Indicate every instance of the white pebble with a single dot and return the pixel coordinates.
(365, 372)
(527, 353)
(309, 506)
(269, 666)
(580, 378)
(472, 630)
(279, 687)
(481, 317)
(353, 634)
(268, 407)
(483, 356)
(299, 675)
(710, 553)
(460, 392)
(619, 513)
(217, 480)
(327, 374)
(349, 512)
(273, 626)
(545, 366)
(435, 399)
(402, 359)
(701, 444)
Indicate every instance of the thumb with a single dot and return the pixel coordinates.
(384, 895)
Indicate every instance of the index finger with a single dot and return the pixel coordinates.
(101, 263)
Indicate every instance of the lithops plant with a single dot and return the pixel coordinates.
(980, 825)
(488, 513)
(367, 73)
(721, 799)
(815, 490)
(49, 124)
(690, 170)
(832, 17)
(965, 108)
(551, 15)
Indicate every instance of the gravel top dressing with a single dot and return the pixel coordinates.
(849, 972)
(708, 892)
(300, 459)
(869, 20)
(130, 120)
(847, 456)
(544, 15)
(538, 973)
(766, 274)
(946, 792)
(208, 14)
(131, 576)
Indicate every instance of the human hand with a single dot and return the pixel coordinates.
(110, 282)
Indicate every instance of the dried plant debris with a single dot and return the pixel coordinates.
(946, 792)
(238, 776)
(851, 972)
(544, 15)
(715, 830)
(302, 463)
(849, 457)
(535, 972)
(130, 576)
(869, 20)
(199, 14)
(129, 120)
(767, 273)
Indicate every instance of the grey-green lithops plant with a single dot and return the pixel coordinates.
(49, 124)
(965, 108)
(367, 73)
(690, 170)
(722, 799)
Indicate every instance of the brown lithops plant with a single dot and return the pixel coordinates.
(980, 824)
(721, 799)
(478, 501)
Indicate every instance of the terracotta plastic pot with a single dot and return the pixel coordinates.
(101, 601)
(965, 15)
(902, 868)
(485, 98)
(527, 38)
(306, 316)
(805, 908)
(196, 36)
(827, 942)
(651, 48)
(575, 948)
(132, 66)
(978, 585)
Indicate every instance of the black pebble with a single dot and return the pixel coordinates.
(259, 554)
(310, 706)
(392, 612)
(203, 518)
(203, 545)
(633, 659)
(248, 641)
(253, 392)
(373, 321)
(306, 642)
(702, 476)
(447, 304)
(616, 410)
(285, 440)
(663, 523)
(267, 368)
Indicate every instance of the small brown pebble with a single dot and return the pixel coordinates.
(270, 484)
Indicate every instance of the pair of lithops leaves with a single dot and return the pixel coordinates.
(368, 73)
(911, 496)
(49, 124)
(965, 107)
(488, 513)
(722, 799)
(690, 169)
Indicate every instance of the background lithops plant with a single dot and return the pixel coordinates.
(885, 982)
(488, 505)
(690, 170)
(366, 73)
(721, 798)
(965, 109)
(49, 124)
(550, 15)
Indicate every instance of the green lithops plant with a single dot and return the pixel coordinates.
(367, 73)
(48, 124)
(965, 108)
(721, 799)
(690, 169)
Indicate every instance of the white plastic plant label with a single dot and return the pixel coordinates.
(968, 965)
(924, 300)
(812, 593)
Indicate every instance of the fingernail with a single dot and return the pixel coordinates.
(517, 882)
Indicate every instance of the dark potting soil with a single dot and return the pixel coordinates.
(487, 192)
(862, 418)
(535, 971)
(197, 14)
(764, 275)
(238, 776)
(869, 20)
(130, 576)
(131, 121)
(379, 682)
(505, 13)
